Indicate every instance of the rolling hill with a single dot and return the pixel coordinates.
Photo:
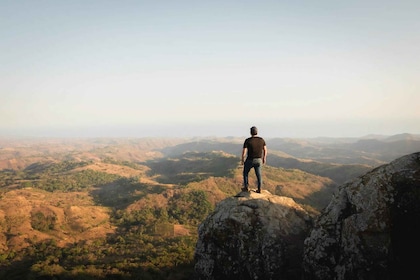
(96, 208)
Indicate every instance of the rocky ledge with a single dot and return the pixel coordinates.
(252, 236)
(369, 230)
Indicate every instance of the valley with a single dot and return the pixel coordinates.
(101, 208)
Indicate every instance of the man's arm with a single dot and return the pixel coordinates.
(265, 151)
(244, 150)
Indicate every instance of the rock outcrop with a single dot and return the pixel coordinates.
(252, 236)
(371, 228)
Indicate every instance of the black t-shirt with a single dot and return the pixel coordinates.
(255, 146)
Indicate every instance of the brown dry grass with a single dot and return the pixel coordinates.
(77, 218)
(18, 153)
(180, 230)
(123, 171)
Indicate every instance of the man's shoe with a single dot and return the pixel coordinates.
(258, 191)
(244, 189)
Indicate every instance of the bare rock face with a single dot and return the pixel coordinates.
(252, 236)
(371, 228)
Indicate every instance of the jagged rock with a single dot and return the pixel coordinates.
(371, 228)
(252, 236)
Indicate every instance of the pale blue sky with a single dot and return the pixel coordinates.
(209, 68)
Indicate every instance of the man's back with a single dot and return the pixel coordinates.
(255, 146)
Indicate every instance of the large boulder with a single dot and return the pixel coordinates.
(252, 236)
(371, 228)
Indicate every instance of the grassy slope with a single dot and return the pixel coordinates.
(144, 179)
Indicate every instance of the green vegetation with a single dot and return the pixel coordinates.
(121, 162)
(76, 181)
(154, 219)
(124, 191)
(145, 245)
(52, 168)
(192, 167)
(340, 173)
(148, 220)
(132, 256)
(191, 207)
(42, 222)
(7, 178)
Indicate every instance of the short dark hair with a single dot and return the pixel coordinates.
(254, 130)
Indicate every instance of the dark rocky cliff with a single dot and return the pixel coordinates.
(369, 230)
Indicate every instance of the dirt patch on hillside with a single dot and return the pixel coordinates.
(123, 171)
(180, 230)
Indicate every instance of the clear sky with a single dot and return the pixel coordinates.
(209, 68)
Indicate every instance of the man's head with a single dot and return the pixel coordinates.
(254, 130)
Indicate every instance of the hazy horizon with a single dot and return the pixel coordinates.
(209, 68)
(267, 130)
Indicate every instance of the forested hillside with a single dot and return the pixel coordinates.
(125, 208)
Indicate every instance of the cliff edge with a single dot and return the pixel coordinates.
(369, 230)
(252, 236)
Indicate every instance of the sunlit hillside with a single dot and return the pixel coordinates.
(121, 208)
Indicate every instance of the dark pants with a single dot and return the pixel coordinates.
(255, 163)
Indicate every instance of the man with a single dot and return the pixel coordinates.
(255, 150)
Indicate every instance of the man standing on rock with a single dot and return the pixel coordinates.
(255, 150)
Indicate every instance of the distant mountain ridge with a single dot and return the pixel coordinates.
(119, 206)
